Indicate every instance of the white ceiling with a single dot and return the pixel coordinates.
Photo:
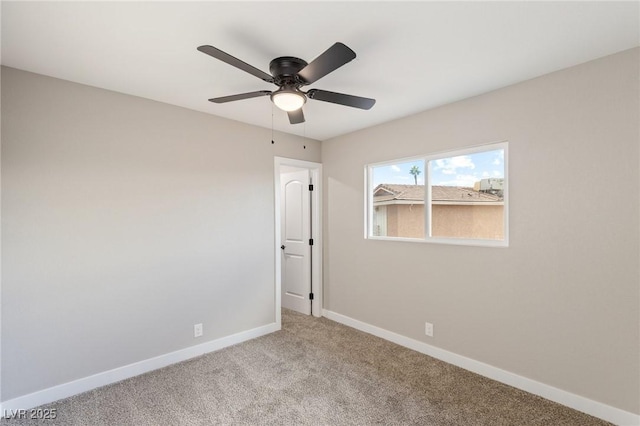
(411, 56)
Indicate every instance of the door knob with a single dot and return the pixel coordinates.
(282, 247)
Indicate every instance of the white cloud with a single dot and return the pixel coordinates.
(450, 166)
(497, 173)
(396, 168)
(496, 162)
(485, 174)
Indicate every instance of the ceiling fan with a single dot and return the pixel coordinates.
(290, 74)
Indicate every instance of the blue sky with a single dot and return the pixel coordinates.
(463, 170)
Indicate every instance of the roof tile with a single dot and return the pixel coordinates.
(438, 193)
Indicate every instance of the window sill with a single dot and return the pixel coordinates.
(448, 241)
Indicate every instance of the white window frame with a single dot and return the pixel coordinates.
(427, 159)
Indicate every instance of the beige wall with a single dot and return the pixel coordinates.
(405, 220)
(411, 220)
(392, 220)
(456, 221)
(485, 222)
(560, 305)
(125, 222)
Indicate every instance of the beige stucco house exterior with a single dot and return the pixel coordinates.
(458, 212)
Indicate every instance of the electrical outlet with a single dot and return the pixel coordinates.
(428, 329)
(197, 330)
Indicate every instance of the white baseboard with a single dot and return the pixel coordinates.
(85, 384)
(577, 402)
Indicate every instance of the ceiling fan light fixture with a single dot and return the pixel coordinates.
(288, 99)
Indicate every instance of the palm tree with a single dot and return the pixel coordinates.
(415, 171)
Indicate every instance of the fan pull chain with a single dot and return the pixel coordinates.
(272, 142)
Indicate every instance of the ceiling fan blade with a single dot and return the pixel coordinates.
(341, 99)
(225, 57)
(332, 59)
(239, 97)
(296, 117)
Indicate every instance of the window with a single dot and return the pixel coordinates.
(465, 193)
(398, 200)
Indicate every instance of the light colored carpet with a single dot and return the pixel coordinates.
(313, 372)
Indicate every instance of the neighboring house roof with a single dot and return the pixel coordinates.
(388, 193)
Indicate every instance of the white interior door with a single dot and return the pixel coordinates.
(296, 250)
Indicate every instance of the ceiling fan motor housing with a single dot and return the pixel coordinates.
(285, 70)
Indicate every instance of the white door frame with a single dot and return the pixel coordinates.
(315, 171)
